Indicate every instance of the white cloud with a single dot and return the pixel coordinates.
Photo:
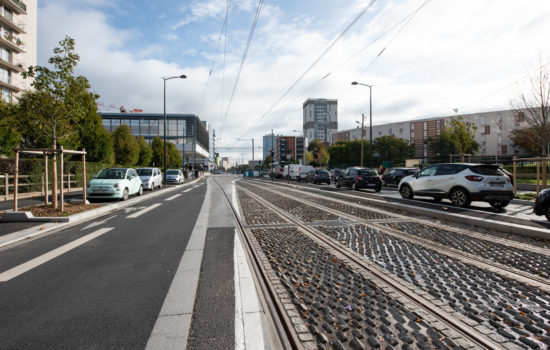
(452, 54)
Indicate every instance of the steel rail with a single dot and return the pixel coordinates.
(486, 264)
(456, 324)
(283, 327)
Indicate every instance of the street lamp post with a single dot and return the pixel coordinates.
(370, 120)
(183, 76)
(362, 137)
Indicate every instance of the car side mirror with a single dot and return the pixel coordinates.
(94, 176)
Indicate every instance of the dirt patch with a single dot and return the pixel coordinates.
(69, 209)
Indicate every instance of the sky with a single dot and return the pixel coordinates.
(423, 58)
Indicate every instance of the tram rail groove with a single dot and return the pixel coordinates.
(486, 264)
(407, 294)
(283, 326)
(503, 226)
(503, 241)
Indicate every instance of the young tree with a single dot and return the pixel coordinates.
(442, 146)
(393, 148)
(157, 148)
(50, 113)
(9, 134)
(319, 153)
(125, 145)
(173, 156)
(462, 135)
(535, 106)
(145, 152)
(95, 139)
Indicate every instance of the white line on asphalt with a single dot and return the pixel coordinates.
(31, 264)
(189, 189)
(143, 211)
(173, 197)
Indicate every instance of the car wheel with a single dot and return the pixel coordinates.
(547, 213)
(437, 200)
(499, 204)
(354, 187)
(140, 191)
(328, 182)
(337, 184)
(160, 185)
(406, 192)
(378, 188)
(460, 198)
(125, 194)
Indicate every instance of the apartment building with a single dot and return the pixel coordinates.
(18, 36)
(493, 131)
(320, 119)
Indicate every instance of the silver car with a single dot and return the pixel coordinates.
(151, 178)
(174, 176)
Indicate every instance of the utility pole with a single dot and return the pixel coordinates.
(362, 136)
(253, 155)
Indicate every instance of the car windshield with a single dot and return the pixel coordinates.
(172, 172)
(367, 172)
(111, 174)
(144, 172)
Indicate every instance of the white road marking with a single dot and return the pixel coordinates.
(143, 211)
(96, 223)
(189, 189)
(31, 264)
(173, 197)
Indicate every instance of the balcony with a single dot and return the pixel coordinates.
(11, 25)
(13, 67)
(12, 43)
(9, 86)
(17, 6)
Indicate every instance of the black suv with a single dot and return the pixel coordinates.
(395, 175)
(317, 176)
(357, 178)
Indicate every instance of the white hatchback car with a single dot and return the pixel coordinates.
(151, 178)
(461, 183)
(174, 176)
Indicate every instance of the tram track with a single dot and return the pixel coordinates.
(325, 229)
(507, 271)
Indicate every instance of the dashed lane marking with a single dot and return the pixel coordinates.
(173, 197)
(143, 211)
(44, 258)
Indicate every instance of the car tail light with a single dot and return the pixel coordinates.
(475, 178)
(359, 177)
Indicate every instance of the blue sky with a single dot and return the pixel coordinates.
(473, 55)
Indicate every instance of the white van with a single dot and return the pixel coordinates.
(304, 169)
(291, 171)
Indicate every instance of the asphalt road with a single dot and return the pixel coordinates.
(107, 292)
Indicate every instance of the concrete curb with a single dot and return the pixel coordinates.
(66, 222)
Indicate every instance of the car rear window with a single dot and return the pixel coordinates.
(486, 170)
(172, 172)
(144, 172)
(366, 172)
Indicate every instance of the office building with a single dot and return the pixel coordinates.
(191, 136)
(320, 119)
(18, 35)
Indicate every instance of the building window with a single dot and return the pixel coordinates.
(487, 129)
(4, 75)
(425, 150)
(390, 131)
(5, 54)
(504, 149)
(106, 124)
(521, 117)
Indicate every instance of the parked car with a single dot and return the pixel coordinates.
(542, 204)
(114, 183)
(334, 173)
(150, 177)
(395, 175)
(174, 176)
(304, 169)
(358, 178)
(291, 171)
(318, 176)
(461, 183)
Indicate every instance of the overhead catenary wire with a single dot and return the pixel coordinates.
(223, 29)
(250, 36)
(336, 40)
